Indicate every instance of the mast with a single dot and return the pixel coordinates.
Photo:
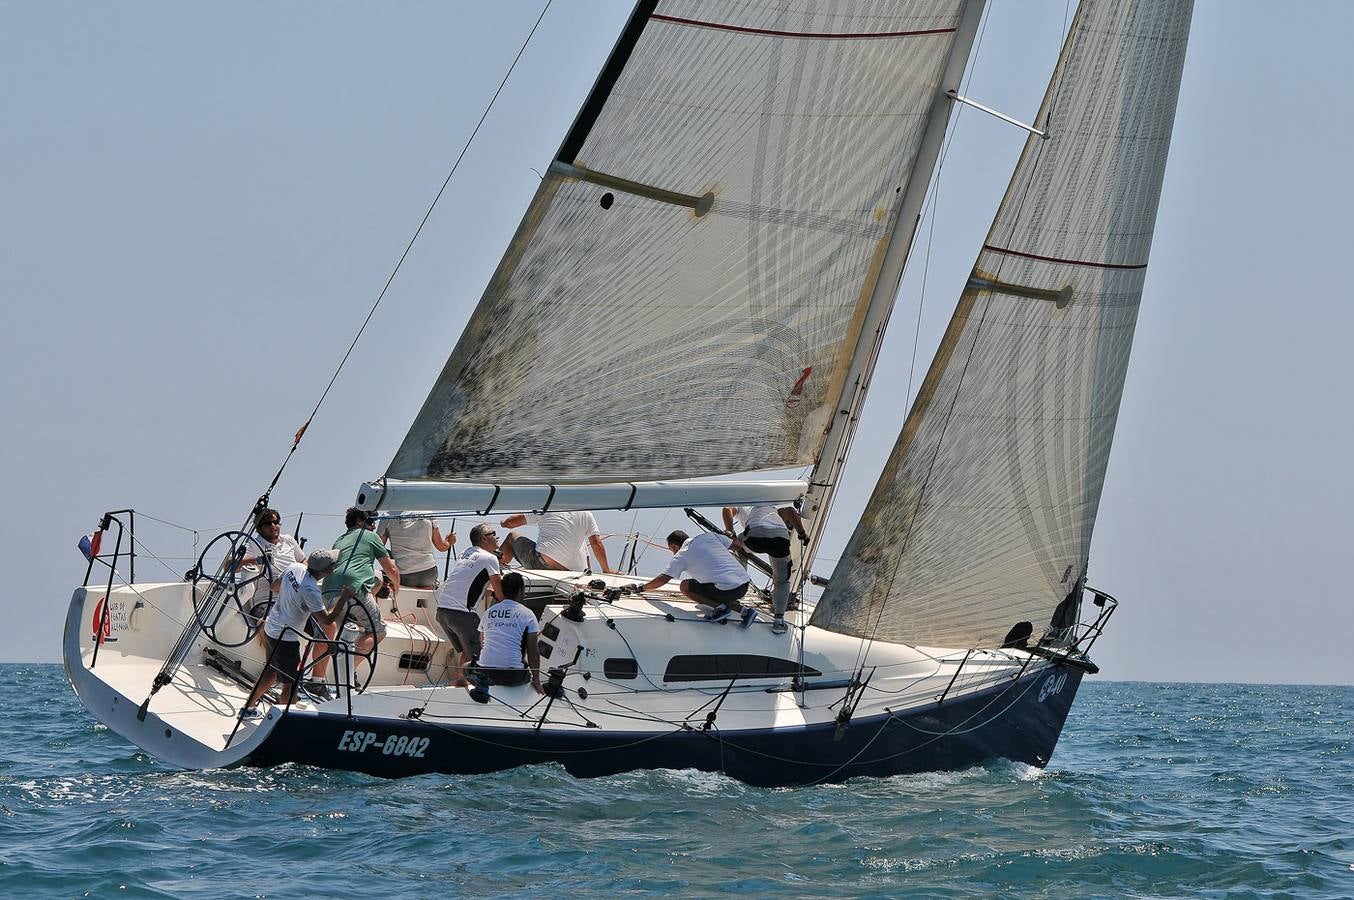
(883, 289)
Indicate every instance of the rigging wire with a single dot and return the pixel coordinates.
(296, 440)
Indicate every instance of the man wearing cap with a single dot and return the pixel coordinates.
(298, 600)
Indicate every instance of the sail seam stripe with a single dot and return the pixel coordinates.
(822, 35)
(1063, 260)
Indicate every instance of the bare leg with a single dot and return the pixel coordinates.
(265, 682)
(322, 665)
(505, 548)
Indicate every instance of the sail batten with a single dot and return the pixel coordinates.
(983, 516)
(682, 294)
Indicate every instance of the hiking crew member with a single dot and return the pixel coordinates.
(766, 529)
(716, 579)
(561, 542)
(297, 603)
(510, 629)
(476, 569)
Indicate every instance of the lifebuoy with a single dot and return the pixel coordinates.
(99, 623)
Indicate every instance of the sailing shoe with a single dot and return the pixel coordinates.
(720, 613)
(316, 692)
(250, 715)
(778, 625)
(749, 616)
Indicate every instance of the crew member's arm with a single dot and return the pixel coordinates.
(534, 661)
(442, 544)
(652, 584)
(333, 613)
(392, 572)
(517, 520)
(729, 513)
(790, 516)
(496, 586)
(599, 551)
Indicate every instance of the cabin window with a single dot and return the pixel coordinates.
(620, 668)
(723, 666)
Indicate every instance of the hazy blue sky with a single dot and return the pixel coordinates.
(198, 203)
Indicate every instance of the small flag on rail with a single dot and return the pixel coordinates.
(89, 545)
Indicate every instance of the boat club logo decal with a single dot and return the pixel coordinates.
(101, 624)
(1052, 686)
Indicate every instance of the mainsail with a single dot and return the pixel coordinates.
(982, 517)
(683, 295)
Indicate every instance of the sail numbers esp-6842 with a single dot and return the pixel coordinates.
(392, 745)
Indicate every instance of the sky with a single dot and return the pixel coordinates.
(200, 202)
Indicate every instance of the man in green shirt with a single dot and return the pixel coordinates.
(359, 549)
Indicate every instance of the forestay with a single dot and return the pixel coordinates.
(983, 515)
(682, 296)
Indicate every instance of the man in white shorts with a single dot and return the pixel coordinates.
(561, 541)
(475, 569)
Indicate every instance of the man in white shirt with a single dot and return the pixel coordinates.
(766, 529)
(281, 550)
(297, 603)
(510, 630)
(476, 569)
(560, 543)
(716, 579)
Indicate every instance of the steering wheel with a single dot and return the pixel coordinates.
(222, 586)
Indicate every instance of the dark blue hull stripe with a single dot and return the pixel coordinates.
(1019, 721)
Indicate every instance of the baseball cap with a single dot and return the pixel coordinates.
(322, 560)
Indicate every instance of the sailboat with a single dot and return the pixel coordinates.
(725, 227)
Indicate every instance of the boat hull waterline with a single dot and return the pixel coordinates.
(1019, 721)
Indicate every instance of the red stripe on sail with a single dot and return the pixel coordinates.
(825, 35)
(1069, 262)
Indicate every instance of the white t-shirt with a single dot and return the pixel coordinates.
(475, 564)
(707, 558)
(299, 597)
(283, 555)
(760, 516)
(411, 543)
(503, 626)
(564, 535)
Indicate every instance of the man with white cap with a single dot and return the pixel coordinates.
(299, 600)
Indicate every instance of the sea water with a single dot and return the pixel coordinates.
(1155, 790)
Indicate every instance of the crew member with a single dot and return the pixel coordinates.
(280, 550)
(476, 569)
(509, 629)
(716, 579)
(561, 542)
(358, 549)
(766, 529)
(298, 601)
(412, 543)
